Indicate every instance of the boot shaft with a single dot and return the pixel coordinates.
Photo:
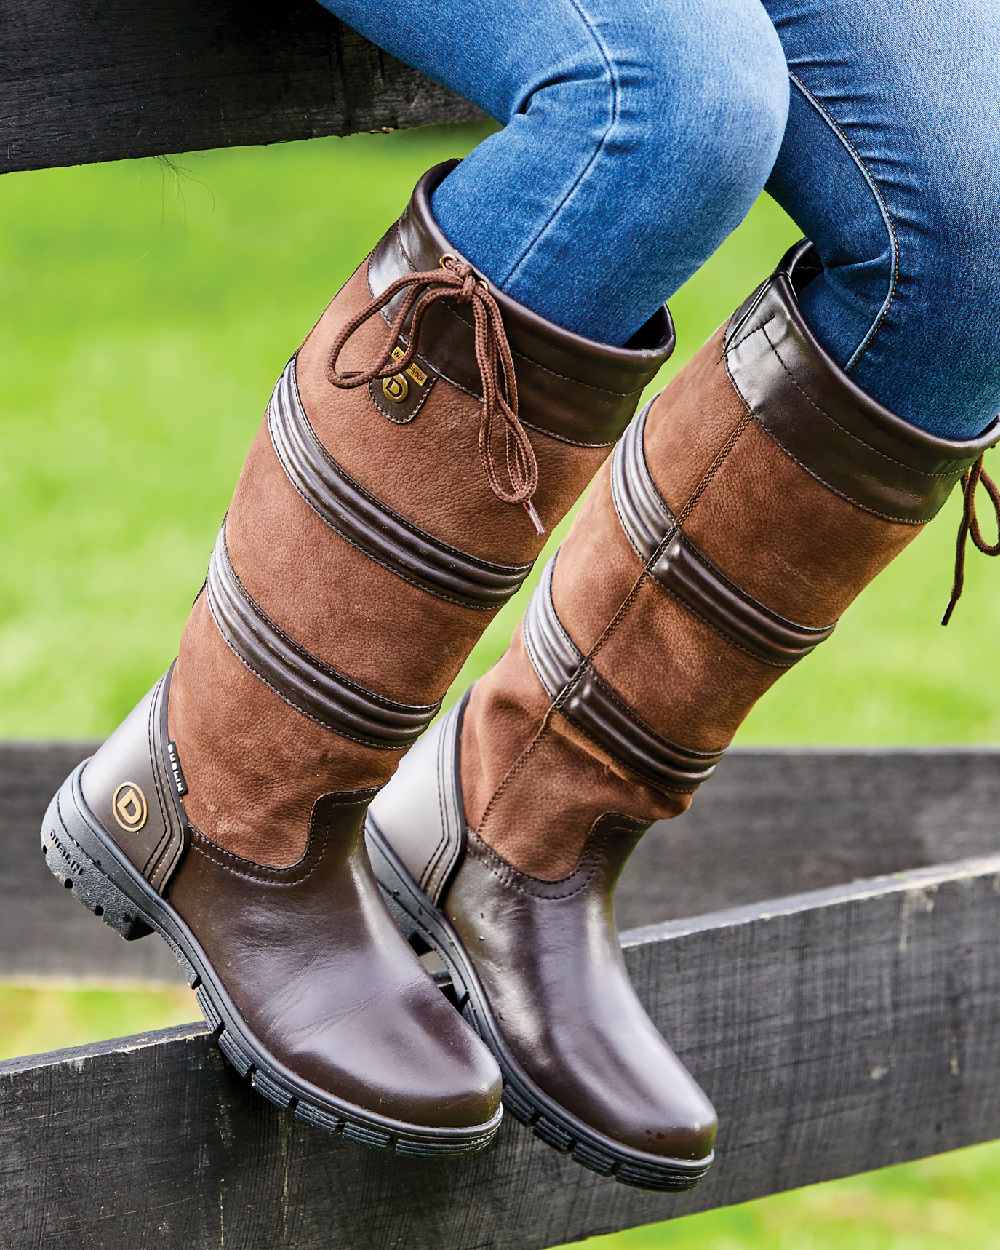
(377, 527)
(743, 511)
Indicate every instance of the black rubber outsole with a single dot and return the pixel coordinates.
(79, 854)
(425, 927)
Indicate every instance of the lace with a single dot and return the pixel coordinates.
(504, 447)
(970, 528)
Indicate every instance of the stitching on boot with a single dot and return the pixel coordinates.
(266, 874)
(720, 458)
(587, 862)
(830, 417)
(645, 778)
(884, 516)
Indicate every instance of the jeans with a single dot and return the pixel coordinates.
(638, 133)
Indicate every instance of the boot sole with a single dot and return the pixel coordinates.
(79, 854)
(425, 925)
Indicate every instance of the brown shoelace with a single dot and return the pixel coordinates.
(970, 528)
(456, 280)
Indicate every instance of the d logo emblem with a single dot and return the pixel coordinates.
(129, 807)
(395, 388)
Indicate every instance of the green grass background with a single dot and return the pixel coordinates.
(146, 309)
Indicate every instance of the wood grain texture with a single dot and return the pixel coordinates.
(95, 82)
(836, 1031)
(771, 823)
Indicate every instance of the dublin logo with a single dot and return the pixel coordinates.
(129, 807)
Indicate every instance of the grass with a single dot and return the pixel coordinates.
(148, 307)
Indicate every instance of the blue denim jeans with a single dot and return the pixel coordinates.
(637, 134)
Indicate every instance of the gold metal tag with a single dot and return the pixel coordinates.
(129, 807)
(397, 388)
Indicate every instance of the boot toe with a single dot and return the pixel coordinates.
(666, 1115)
(408, 1056)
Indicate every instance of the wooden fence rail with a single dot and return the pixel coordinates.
(837, 1030)
(772, 823)
(94, 82)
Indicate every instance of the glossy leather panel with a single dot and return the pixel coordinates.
(548, 957)
(313, 963)
(829, 426)
(132, 789)
(423, 806)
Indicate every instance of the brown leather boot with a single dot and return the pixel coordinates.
(412, 451)
(742, 512)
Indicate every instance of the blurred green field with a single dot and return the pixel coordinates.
(147, 308)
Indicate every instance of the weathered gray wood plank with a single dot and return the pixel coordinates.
(771, 823)
(95, 82)
(837, 1032)
(781, 821)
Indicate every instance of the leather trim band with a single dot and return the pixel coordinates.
(827, 424)
(372, 526)
(571, 387)
(677, 565)
(313, 688)
(590, 703)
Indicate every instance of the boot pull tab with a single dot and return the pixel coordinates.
(969, 527)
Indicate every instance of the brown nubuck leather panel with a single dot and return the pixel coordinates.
(366, 547)
(756, 497)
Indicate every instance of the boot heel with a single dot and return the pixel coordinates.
(72, 855)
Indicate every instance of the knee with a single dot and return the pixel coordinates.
(705, 103)
(679, 117)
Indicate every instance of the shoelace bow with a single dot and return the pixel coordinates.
(970, 528)
(456, 280)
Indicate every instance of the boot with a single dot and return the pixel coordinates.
(742, 511)
(411, 457)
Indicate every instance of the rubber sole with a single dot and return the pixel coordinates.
(425, 927)
(82, 857)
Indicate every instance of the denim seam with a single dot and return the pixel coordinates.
(615, 85)
(883, 208)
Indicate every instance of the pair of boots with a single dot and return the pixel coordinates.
(412, 455)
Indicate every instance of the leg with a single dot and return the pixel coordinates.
(370, 540)
(742, 512)
(636, 137)
(891, 165)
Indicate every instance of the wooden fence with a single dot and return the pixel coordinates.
(837, 992)
(837, 1030)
